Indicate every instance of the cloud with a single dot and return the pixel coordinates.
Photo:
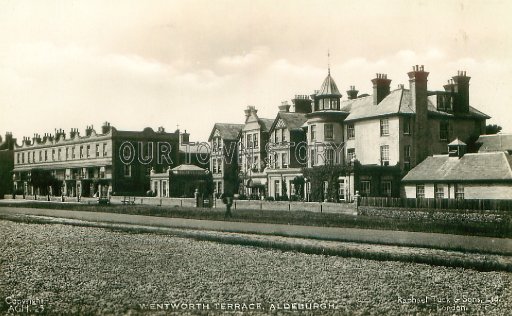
(246, 59)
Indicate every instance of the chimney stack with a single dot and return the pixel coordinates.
(184, 137)
(461, 89)
(419, 101)
(352, 93)
(74, 132)
(106, 128)
(88, 130)
(60, 134)
(251, 109)
(380, 87)
(302, 104)
(284, 107)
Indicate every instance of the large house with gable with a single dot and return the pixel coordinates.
(380, 137)
(224, 156)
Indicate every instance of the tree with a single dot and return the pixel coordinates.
(492, 129)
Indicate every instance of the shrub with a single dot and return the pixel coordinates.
(269, 198)
(295, 198)
(242, 197)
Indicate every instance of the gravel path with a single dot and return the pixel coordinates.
(87, 270)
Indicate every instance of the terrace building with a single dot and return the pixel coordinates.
(110, 162)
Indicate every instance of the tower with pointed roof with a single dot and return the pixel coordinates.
(325, 125)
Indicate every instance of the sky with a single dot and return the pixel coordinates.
(68, 64)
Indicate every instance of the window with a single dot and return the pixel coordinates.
(384, 155)
(73, 152)
(81, 152)
(386, 188)
(255, 137)
(53, 154)
(59, 154)
(104, 149)
(219, 165)
(283, 135)
(312, 157)
(97, 150)
(88, 151)
(334, 104)
(18, 157)
(459, 191)
(214, 166)
(28, 157)
(365, 188)
(40, 156)
(328, 131)
(46, 155)
(439, 191)
(127, 171)
(34, 157)
(407, 157)
(384, 127)
(276, 188)
(351, 132)
(420, 191)
(443, 130)
(341, 190)
(249, 140)
(102, 172)
(313, 132)
(277, 135)
(351, 154)
(67, 153)
(329, 156)
(284, 160)
(407, 126)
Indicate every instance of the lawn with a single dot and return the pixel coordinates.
(502, 229)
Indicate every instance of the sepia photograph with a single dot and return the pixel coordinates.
(255, 157)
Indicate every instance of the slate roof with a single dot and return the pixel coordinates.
(227, 130)
(477, 167)
(329, 87)
(291, 119)
(266, 123)
(496, 142)
(396, 102)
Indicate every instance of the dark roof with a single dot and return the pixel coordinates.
(329, 87)
(266, 124)
(227, 130)
(291, 119)
(495, 166)
(396, 102)
(496, 142)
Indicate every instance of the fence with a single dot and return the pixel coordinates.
(324, 207)
(447, 204)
